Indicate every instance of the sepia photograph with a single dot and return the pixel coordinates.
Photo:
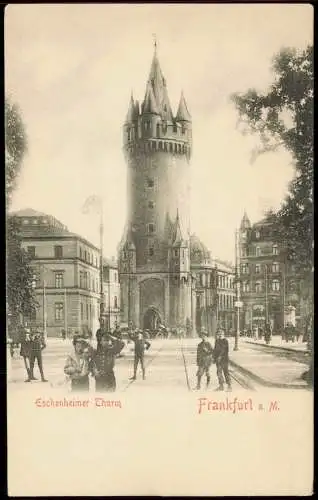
(159, 249)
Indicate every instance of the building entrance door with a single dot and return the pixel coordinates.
(152, 320)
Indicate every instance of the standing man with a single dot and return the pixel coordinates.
(37, 346)
(103, 362)
(221, 358)
(25, 350)
(140, 345)
(204, 359)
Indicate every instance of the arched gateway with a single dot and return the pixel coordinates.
(151, 319)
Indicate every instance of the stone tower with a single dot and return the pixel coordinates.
(154, 254)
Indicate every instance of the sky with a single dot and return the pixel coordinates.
(71, 69)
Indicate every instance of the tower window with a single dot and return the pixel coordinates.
(58, 251)
(151, 204)
(150, 183)
(176, 253)
(275, 250)
(183, 129)
(175, 128)
(160, 145)
(151, 251)
(258, 251)
(171, 147)
(151, 228)
(257, 235)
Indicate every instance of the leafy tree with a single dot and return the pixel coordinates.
(20, 294)
(282, 117)
(15, 147)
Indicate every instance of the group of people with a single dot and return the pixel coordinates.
(206, 355)
(100, 362)
(32, 345)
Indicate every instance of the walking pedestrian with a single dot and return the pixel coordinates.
(103, 362)
(140, 345)
(268, 333)
(37, 346)
(25, 350)
(77, 365)
(221, 358)
(204, 359)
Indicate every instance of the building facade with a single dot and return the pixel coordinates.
(166, 274)
(66, 276)
(270, 289)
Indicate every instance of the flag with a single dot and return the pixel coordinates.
(92, 203)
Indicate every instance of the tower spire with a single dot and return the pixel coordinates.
(155, 43)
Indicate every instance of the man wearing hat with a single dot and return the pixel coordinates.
(221, 358)
(25, 350)
(204, 359)
(37, 346)
(140, 345)
(103, 362)
(77, 364)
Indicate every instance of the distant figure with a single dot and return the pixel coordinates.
(268, 333)
(77, 365)
(221, 358)
(25, 351)
(37, 346)
(101, 331)
(63, 334)
(140, 345)
(204, 359)
(290, 332)
(103, 362)
(260, 333)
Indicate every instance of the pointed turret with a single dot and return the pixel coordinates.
(131, 110)
(177, 239)
(150, 105)
(130, 245)
(158, 85)
(245, 223)
(183, 114)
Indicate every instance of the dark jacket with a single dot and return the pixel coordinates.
(37, 343)
(204, 353)
(25, 350)
(140, 344)
(103, 360)
(221, 350)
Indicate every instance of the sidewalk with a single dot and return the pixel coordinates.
(276, 341)
(267, 369)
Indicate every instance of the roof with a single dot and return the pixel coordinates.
(157, 83)
(149, 105)
(199, 253)
(28, 212)
(183, 112)
(131, 110)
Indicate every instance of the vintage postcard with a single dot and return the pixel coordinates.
(159, 226)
